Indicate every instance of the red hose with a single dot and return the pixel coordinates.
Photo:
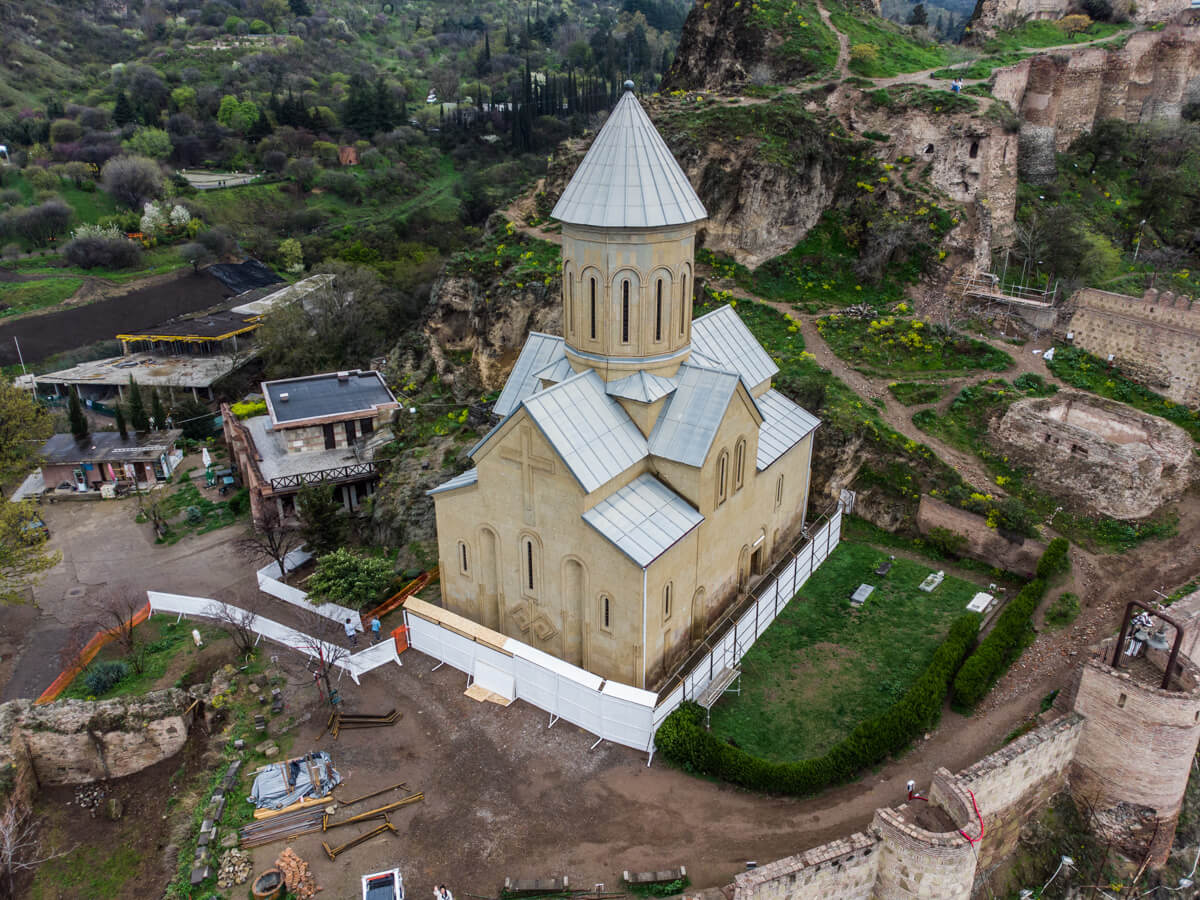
(970, 840)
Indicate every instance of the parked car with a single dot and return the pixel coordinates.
(383, 886)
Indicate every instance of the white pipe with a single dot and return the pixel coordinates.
(644, 571)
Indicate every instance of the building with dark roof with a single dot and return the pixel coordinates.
(104, 457)
(319, 429)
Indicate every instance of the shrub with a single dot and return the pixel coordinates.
(107, 253)
(239, 502)
(132, 180)
(103, 677)
(683, 739)
(946, 541)
(1055, 561)
(1004, 643)
(248, 408)
(1063, 610)
(1034, 385)
(349, 579)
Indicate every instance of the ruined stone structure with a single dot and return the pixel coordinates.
(1062, 96)
(1155, 338)
(1097, 454)
(991, 15)
(79, 741)
(1005, 550)
(1118, 742)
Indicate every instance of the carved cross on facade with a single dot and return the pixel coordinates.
(529, 463)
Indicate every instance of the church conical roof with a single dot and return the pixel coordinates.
(629, 179)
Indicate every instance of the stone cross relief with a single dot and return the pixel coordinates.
(529, 462)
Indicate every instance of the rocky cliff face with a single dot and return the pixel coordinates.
(993, 15)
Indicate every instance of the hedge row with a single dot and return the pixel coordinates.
(1004, 642)
(683, 739)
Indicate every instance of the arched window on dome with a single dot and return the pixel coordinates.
(593, 309)
(625, 311)
(658, 310)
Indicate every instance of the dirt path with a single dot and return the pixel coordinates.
(843, 60)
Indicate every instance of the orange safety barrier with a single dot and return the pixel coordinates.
(86, 655)
(401, 595)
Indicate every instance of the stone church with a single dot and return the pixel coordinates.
(644, 471)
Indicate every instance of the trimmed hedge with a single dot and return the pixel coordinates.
(1004, 642)
(683, 739)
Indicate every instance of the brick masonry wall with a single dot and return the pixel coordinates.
(918, 864)
(845, 869)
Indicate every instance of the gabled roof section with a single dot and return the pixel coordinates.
(629, 179)
(784, 426)
(466, 479)
(540, 350)
(721, 335)
(587, 428)
(559, 370)
(687, 425)
(642, 387)
(643, 519)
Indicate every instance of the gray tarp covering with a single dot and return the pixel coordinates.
(272, 790)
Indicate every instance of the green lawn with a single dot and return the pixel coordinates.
(916, 393)
(155, 261)
(30, 295)
(823, 666)
(89, 872)
(890, 345)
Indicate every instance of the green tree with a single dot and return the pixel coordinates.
(123, 110)
(322, 523)
(157, 413)
(138, 417)
(121, 426)
(918, 16)
(194, 418)
(23, 552)
(350, 579)
(23, 426)
(79, 422)
(291, 255)
(153, 143)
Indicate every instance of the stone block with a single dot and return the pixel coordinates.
(200, 874)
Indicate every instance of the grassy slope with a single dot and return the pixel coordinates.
(822, 667)
(895, 50)
(890, 346)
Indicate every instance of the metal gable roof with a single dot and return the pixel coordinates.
(641, 386)
(784, 426)
(721, 335)
(559, 370)
(466, 479)
(587, 428)
(629, 179)
(643, 519)
(540, 350)
(686, 427)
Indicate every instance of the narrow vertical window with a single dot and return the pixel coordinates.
(593, 309)
(625, 312)
(684, 307)
(667, 602)
(529, 565)
(658, 313)
(722, 467)
(605, 612)
(570, 306)
(739, 464)
(779, 492)
(462, 555)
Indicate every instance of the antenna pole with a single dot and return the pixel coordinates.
(20, 358)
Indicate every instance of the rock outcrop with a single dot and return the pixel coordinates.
(1097, 455)
(79, 741)
(993, 15)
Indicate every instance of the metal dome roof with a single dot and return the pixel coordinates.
(629, 179)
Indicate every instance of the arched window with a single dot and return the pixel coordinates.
(625, 312)
(605, 612)
(463, 568)
(779, 492)
(570, 305)
(722, 472)
(658, 312)
(667, 601)
(739, 464)
(593, 312)
(684, 307)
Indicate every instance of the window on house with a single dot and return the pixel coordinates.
(593, 313)
(667, 602)
(779, 492)
(367, 425)
(605, 612)
(684, 306)
(462, 558)
(658, 312)
(722, 467)
(739, 464)
(625, 312)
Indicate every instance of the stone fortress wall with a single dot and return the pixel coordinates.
(1083, 745)
(991, 15)
(1155, 338)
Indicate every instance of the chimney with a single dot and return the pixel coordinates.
(283, 398)
(343, 376)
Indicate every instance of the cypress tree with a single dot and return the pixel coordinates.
(79, 422)
(121, 426)
(123, 111)
(157, 413)
(138, 417)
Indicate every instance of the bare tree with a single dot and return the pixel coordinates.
(323, 642)
(132, 180)
(20, 846)
(271, 537)
(237, 616)
(154, 506)
(114, 611)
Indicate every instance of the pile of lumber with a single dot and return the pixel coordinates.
(340, 721)
(296, 876)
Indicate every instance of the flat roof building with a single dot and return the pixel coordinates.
(142, 459)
